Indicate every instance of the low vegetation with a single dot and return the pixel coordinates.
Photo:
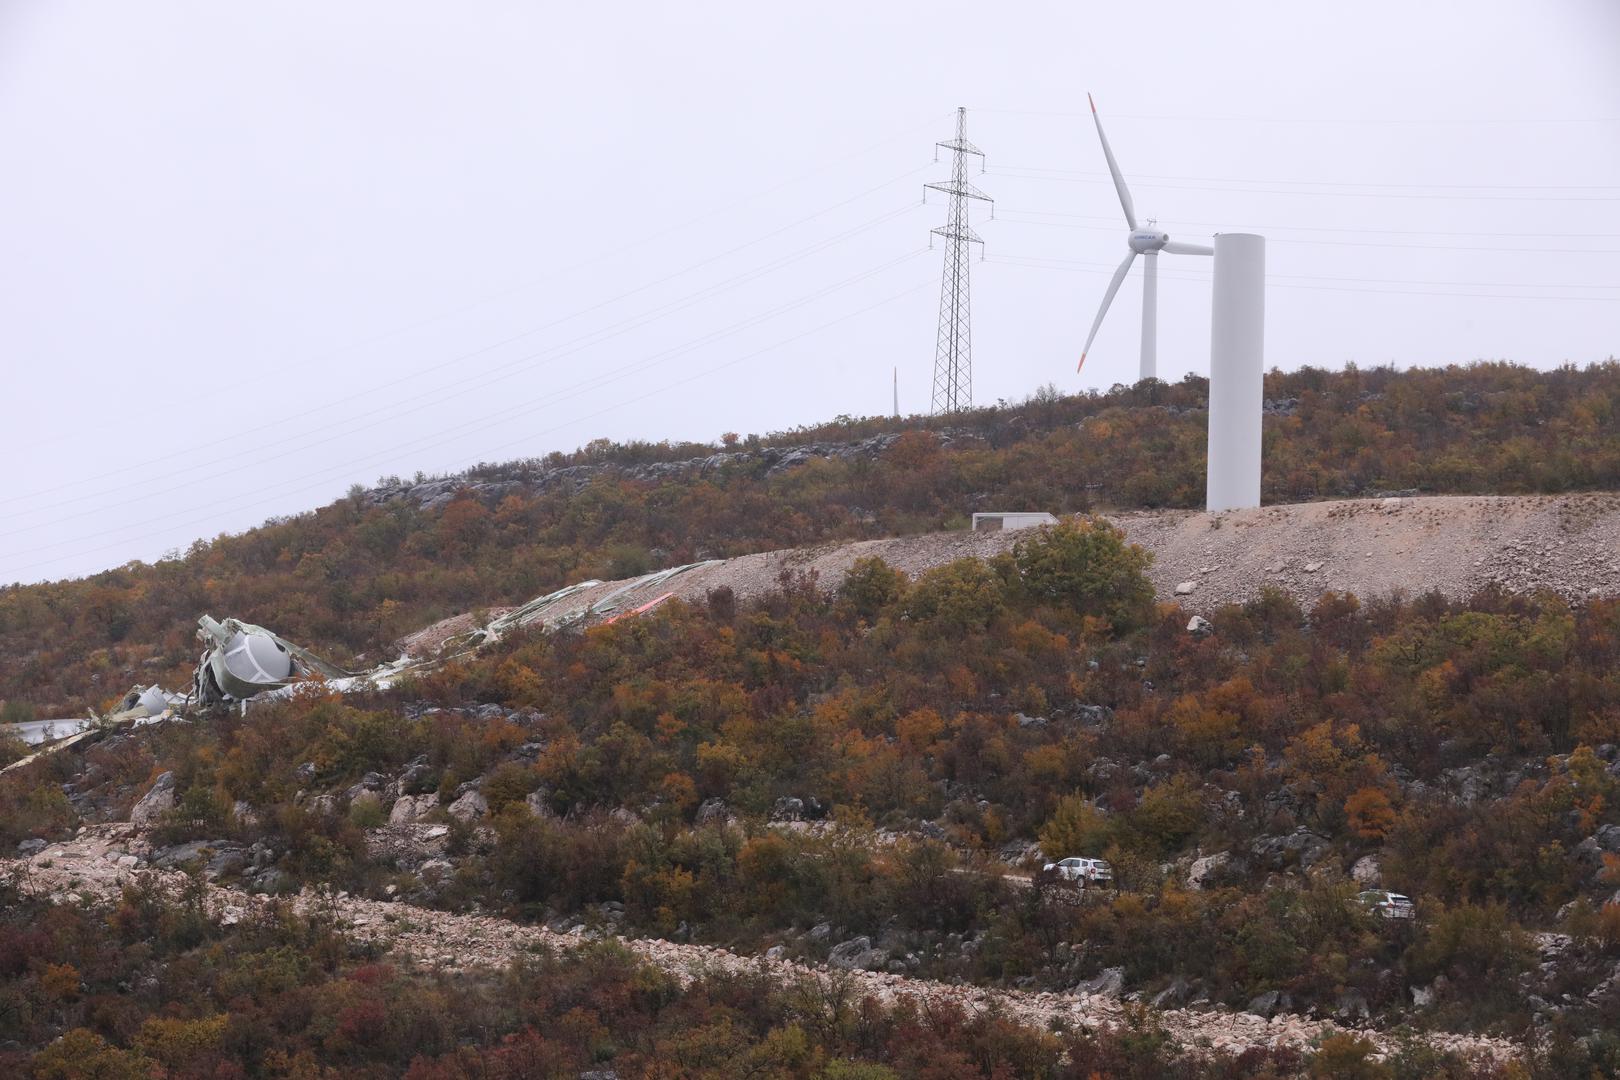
(353, 576)
(933, 726)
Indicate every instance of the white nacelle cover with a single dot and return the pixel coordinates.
(255, 658)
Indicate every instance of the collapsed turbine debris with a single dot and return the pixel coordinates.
(242, 662)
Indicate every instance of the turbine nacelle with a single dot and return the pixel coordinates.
(1146, 241)
(1143, 241)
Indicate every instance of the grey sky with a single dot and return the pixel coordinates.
(257, 253)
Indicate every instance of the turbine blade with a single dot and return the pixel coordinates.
(1108, 298)
(1176, 247)
(1113, 167)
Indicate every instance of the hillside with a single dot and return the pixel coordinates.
(1453, 546)
(352, 577)
(847, 795)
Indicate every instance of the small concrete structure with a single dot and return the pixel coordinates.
(1005, 522)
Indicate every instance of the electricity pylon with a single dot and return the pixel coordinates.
(953, 352)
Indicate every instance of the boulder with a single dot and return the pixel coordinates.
(857, 954)
(1351, 1005)
(1266, 1004)
(1300, 847)
(155, 803)
(323, 805)
(1206, 866)
(270, 880)
(417, 778)
(1107, 983)
(1175, 994)
(178, 856)
(470, 806)
(1366, 872)
(538, 803)
(788, 808)
(408, 808)
(712, 812)
(31, 847)
(231, 860)
(1186, 588)
(1198, 626)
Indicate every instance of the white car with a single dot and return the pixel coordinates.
(1081, 871)
(1391, 905)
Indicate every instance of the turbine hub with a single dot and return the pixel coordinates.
(1143, 241)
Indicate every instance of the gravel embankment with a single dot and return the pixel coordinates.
(102, 858)
(1457, 545)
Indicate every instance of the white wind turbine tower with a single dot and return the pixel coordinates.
(1147, 243)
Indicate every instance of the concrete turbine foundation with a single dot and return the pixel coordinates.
(1236, 369)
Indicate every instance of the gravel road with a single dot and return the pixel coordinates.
(101, 858)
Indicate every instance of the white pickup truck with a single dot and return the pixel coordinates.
(1080, 871)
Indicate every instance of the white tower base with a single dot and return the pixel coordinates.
(1149, 367)
(1236, 370)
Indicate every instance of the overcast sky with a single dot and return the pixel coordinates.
(255, 254)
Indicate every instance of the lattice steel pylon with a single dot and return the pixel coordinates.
(953, 351)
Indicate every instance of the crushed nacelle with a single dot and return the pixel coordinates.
(240, 660)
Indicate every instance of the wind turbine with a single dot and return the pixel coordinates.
(1147, 243)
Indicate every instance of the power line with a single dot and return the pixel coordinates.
(1092, 173)
(640, 241)
(1204, 276)
(429, 441)
(1069, 266)
(437, 396)
(458, 360)
(1349, 243)
(1316, 121)
(1360, 230)
(468, 463)
(1451, 196)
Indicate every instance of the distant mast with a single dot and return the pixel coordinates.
(897, 393)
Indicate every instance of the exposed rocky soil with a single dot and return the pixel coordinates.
(1456, 545)
(102, 858)
(433, 494)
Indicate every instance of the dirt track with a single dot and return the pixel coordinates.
(1569, 544)
(102, 858)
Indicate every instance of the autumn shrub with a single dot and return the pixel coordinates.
(1085, 566)
(1077, 827)
(871, 586)
(958, 598)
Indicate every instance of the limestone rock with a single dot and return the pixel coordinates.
(470, 806)
(408, 808)
(155, 803)
(1108, 983)
(1202, 868)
